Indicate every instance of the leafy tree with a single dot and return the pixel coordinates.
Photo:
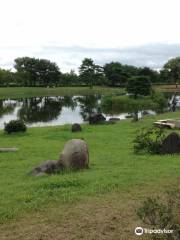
(173, 69)
(100, 78)
(118, 74)
(87, 72)
(139, 85)
(69, 79)
(37, 71)
(152, 74)
(113, 72)
(164, 76)
(6, 77)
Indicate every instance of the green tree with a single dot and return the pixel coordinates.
(152, 74)
(173, 69)
(118, 74)
(37, 71)
(113, 72)
(139, 85)
(6, 77)
(87, 72)
(69, 79)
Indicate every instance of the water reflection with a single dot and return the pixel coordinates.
(43, 111)
(40, 109)
(88, 105)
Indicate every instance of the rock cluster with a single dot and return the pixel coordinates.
(74, 156)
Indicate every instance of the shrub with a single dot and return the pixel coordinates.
(161, 103)
(15, 126)
(162, 214)
(149, 140)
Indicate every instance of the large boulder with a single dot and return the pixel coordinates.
(96, 118)
(48, 167)
(171, 144)
(75, 155)
(76, 127)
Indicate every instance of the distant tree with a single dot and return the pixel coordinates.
(152, 74)
(173, 69)
(164, 76)
(69, 79)
(37, 71)
(118, 74)
(87, 71)
(139, 85)
(90, 73)
(100, 78)
(6, 77)
(113, 72)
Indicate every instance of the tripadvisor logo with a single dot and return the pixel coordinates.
(140, 231)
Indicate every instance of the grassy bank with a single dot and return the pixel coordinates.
(114, 168)
(19, 92)
(167, 88)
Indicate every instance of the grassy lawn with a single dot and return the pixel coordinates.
(114, 171)
(19, 92)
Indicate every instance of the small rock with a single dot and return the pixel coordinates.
(96, 118)
(76, 127)
(114, 119)
(48, 167)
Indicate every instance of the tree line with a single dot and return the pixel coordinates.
(42, 72)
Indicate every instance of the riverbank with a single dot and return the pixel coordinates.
(26, 92)
(167, 88)
(117, 177)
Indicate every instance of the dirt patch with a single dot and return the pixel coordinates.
(110, 218)
(106, 217)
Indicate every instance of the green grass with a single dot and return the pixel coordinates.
(19, 92)
(113, 166)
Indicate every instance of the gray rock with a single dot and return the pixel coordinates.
(75, 155)
(47, 167)
(96, 118)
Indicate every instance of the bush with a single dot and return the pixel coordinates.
(162, 214)
(161, 103)
(15, 126)
(149, 140)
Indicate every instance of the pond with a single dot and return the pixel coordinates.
(49, 111)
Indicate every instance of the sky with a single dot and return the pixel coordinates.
(136, 32)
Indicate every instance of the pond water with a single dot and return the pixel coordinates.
(49, 111)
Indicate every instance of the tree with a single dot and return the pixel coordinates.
(113, 72)
(87, 71)
(37, 71)
(118, 74)
(152, 74)
(173, 69)
(6, 77)
(100, 78)
(69, 79)
(139, 85)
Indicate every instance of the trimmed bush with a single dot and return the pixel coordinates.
(15, 126)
